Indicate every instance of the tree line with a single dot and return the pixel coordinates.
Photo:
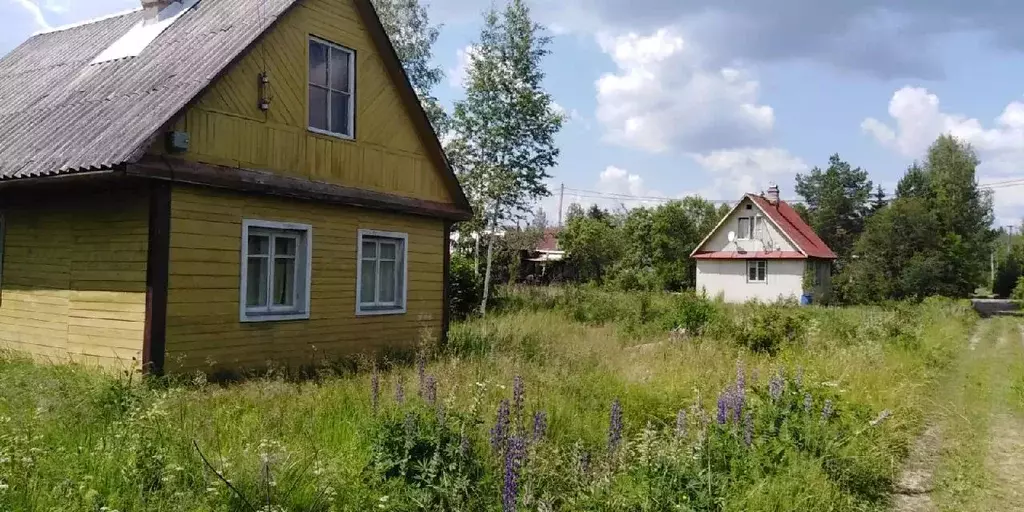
(933, 235)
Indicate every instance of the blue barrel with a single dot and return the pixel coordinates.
(806, 299)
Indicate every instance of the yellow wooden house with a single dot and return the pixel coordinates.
(211, 184)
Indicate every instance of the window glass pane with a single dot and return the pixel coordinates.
(317, 64)
(370, 250)
(318, 108)
(744, 228)
(339, 113)
(368, 282)
(284, 282)
(284, 246)
(388, 281)
(259, 245)
(389, 251)
(339, 70)
(256, 282)
(762, 269)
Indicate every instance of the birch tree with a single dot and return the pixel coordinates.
(506, 123)
(413, 36)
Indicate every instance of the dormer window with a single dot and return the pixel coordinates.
(331, 89)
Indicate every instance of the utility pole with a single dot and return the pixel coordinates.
(561, 197)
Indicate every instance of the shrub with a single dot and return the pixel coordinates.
(766, 327)
(425, 451)
(1018, 292)
(695, 313)
(465, 288)
(590, 305)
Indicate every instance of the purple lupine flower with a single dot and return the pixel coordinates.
(399, 392)
(540, 425)
(776, 386)
(421, 371)
(808, 402)
(375, 389)
(681, 423)
(739, 399)
(518, 392)
(799, 380)
(724, 401)
(499, 434)
(441, 416)
(748, 429)
(430, 389)
(615, 426)
(741, 379)
(464, 445)
(410, 425)
(827, 410)
(513, 463)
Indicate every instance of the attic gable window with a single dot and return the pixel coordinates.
(331, 89)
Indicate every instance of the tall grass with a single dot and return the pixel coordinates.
(75, 439)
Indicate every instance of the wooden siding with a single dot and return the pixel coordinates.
(227, 127)
(203, 327)
(74, 277)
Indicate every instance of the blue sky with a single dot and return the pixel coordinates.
(669, 98)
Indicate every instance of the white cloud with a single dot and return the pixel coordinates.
(917, 120)
(463, 59)
(36, 12)
(747, 170)
(752, 161)
(663, 97)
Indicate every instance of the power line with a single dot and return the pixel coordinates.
(594, 194)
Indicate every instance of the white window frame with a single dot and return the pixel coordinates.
(758, 227)
(757, 263)
(351, 89)
(372, 309)
(741, 234)
(303, 270)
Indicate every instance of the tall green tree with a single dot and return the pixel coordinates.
(507, 122)
(878, 201)
(933, 239)
(413, 36)
(837, 204)
(592, 246)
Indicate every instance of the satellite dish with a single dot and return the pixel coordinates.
(732, 236)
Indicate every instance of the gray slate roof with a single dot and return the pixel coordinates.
(59, 114)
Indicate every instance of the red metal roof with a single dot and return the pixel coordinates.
(550, 240)
(789, 221)
(757, 255)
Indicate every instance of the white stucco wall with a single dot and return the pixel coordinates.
(729, 278)
(770, 235)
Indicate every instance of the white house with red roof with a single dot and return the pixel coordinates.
(761, 250)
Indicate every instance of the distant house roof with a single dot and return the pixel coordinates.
(63, 111)
(550, 240)
(793, 227)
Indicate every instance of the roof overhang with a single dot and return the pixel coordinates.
(751, 255)
(270, 183)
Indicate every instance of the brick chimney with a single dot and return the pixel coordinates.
(151, 9)
(773, 194)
